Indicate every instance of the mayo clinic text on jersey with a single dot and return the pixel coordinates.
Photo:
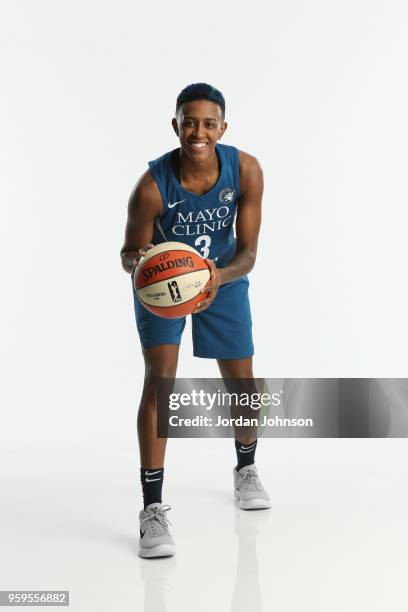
(206, 220)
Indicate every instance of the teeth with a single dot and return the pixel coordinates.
(199, 146)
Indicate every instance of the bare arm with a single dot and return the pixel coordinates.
(145, 204)
(247, 229)
(248, 220)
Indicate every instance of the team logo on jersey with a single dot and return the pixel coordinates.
(226, 195)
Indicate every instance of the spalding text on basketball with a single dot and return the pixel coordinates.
(168, 265)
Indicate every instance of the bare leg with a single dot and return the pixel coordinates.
(160, 362)
(238, 368)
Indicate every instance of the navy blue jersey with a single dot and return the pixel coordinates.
(205, 222)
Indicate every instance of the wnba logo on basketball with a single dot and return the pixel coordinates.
(174, 291)
(226, 195)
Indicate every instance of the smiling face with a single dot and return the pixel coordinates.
(199, 124)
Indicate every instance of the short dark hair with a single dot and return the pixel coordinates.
(201, 91)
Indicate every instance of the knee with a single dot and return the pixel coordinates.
(159, 370)
(160, 362)
(152, 378)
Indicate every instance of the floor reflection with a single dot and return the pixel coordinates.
(156, 574)
(247, 591)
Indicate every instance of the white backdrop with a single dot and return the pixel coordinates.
(316, 90)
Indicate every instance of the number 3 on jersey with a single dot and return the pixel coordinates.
(205, 241)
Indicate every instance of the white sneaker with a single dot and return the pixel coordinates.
(248, 489)
(155, 538)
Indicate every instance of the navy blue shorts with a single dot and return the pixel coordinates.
(223, 331)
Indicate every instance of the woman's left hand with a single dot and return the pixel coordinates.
(211, 288)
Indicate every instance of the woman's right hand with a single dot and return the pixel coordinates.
(141, 253)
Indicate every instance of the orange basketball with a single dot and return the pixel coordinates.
(169, 278)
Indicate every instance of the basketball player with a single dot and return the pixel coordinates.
(193, 195)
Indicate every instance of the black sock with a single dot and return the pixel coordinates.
(152, 484)
(245, 453)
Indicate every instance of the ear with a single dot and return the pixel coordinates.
(222, 130)
(175, 126)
